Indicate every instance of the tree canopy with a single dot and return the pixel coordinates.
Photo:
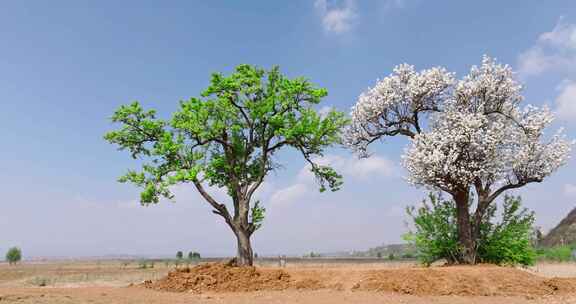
(14, 255)
(464, 134)
(228, 138)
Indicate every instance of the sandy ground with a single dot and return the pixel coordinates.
(109, 295)
(107, 283)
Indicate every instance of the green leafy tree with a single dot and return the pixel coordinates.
(179, 255)
(228, 138)
(14, 255)
(193, 255)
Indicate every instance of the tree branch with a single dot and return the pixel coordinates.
(220, 209)
(494, 195)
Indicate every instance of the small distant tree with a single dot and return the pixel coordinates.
(314, 254)
(538, 236)
(229, 138)
(379, 255)
(143, 264)
(193, 255)
(179, 255)
(14, 255)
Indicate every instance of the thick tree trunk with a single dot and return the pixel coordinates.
(465, 233)
(244, 256)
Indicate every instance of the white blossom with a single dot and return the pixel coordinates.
(388, 108)
(477, 133)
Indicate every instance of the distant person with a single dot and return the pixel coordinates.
(282, 261)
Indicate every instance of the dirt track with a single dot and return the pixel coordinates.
(111, 295)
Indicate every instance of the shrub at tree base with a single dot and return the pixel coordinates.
(506, 242)
(217, 277)
(510, 241)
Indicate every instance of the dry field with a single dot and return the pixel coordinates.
(334, 282)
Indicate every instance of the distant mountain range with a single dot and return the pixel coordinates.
(563, 234)
(383, 251)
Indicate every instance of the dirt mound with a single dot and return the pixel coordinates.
(218, 277)
(479, 280)
(562, 285)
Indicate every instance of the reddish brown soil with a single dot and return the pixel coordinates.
(218, 277)
(482, 280)
(344, 284)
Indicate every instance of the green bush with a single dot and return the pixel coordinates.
(556, 254)
(436, 235)
(506, 242)
(14, 255)
(41, 281)
(511, 240)
(143, 264)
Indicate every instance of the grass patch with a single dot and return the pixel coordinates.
(556, 254)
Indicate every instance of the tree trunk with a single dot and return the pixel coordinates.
(479, 217)
(465, 237)
(244, 256)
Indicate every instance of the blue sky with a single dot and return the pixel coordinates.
(65, 66)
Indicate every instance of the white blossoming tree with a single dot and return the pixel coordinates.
(466, 136)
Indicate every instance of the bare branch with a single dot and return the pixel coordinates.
(220, 209)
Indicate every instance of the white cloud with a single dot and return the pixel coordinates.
(563, 36)
(290, 194)
(129, 204)
(570, 190)
(566, 101)
(357, 168)
(554, 50)
(367, 167)
(337, 19)
(350, 168)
